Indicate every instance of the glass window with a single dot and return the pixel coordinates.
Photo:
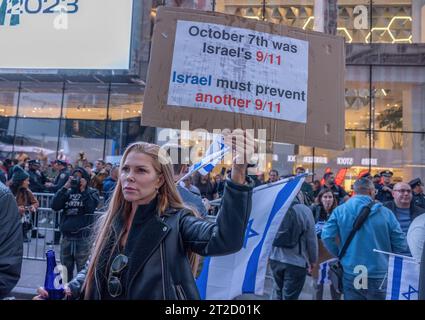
(394, 151)
(85, 101)
(7, 129)
(347, 164)
(287, 157)
(37, 138)
(399, 98)
(82, 136)
(357, 98)
(126, 102)
(8, 98)
(40, 100)
(119, 134)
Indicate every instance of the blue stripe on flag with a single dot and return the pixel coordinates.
(323, 273)
(202, 280)
(248, 285)
(396, 282)
(207, 169)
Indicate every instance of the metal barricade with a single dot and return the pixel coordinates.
(44, 199)
(45, 234)
(42, 236)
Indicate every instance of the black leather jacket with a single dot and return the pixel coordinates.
(11, 242)
(161, 269)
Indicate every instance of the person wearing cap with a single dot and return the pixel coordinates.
(27, 203)
(418, 192)
(385, 190)
(78, 202)
(340, 194)
(62, 177)
(37, 179)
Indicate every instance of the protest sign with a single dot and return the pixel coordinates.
(219, 71)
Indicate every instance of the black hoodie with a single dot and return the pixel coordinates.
(78, 209)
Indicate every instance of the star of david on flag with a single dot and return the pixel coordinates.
(403, 278)
(226, 277)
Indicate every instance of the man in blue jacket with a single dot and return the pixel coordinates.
(364, 269)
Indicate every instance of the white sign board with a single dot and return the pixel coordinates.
(65, 34)
(231, 69)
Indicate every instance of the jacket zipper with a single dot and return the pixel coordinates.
(163, 271)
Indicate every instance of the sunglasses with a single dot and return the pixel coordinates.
(119, 263)
(404, 190)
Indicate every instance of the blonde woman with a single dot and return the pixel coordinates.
(147, 237)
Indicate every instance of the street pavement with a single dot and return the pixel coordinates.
(33, 271)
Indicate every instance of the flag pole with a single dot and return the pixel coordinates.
(207, 160)
(396, 255)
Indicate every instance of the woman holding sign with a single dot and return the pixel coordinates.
(147, 237)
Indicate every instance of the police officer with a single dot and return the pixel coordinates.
(418, 192)
(385, 190)
(78, 202)
(61, 178)
(37, 178)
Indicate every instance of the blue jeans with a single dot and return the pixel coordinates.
(288, 280)
(376, 289)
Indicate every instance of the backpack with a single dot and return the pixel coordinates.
(290, 231)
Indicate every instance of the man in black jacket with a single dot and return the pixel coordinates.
(11, 242)
(78, 202)
(402, 205)
(37, 178)
(62, 177)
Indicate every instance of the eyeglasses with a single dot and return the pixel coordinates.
(119, 263)
(404, 190)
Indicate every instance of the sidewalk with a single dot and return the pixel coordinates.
(33, 271)
(32, 277)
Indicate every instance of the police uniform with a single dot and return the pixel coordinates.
(384, 195)
(61, 178)
(418, 198)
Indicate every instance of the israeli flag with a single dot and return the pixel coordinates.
(218, 148)
(226, 277)
(213, 156)
(324, 272)
(403, 278)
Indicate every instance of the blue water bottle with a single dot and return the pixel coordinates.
(53, 281)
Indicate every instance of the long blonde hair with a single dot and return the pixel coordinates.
(168, 196)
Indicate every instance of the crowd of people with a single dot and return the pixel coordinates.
(395, 224)
(323, 210)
